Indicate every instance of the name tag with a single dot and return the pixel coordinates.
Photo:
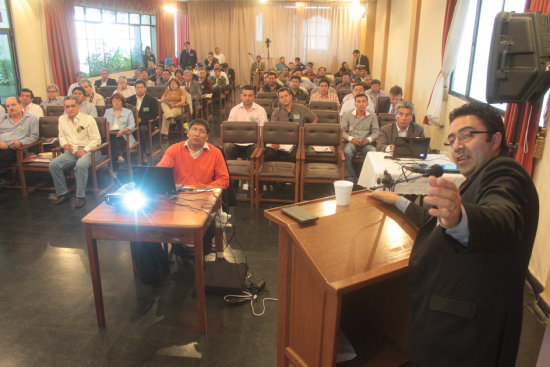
(252, 118)
(123, 123)
(145, 109)
(20, 128)
(297, 117)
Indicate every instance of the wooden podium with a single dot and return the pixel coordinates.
(346, 271)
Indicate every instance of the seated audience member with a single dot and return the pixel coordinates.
(166, 76)
(292, 67)
(147, 110)
(230, 72)
(396, 95)
(78, 135)
(345, 83)
(206, 84)
(188, 56)
(271, 86)
(285, 76)
(192, 87)
(173, 101)
(281, 64)
(210, 61)
(199, 164)
(16, 130)
(361, 60)
(179, 75)
(79, 76)
(123, 87)
(213, 72)
(344, 69)
(94, 98)
(298, 64)
(151, 69)
(148, 56)
(53, 97)
(309, 73)
(218, 80)
(374, 92)
(360, 130)
(85, 106)
(158, 75)
(218, 55)
(367, 78)
(172, 68)
(288, 112)
(306, 83)
(247, 110)
(105, 80)
(348, 103)
(296, 92)
(144, 76)
(403, 127)
(26, 96)
(121, 121)
(257, 67)
(324, 95)
(321, 74)
(356, 73)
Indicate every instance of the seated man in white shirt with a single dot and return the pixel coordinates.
(247, 110)
(403, 127)
(27, 96)
(124, 88)
(78, 135)
(85, 106)
(54, 99)
(348, 103)
(94, 98)
(79, 76)
(218, 55)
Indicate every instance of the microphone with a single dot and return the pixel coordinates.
(387, 182)
(434, 170)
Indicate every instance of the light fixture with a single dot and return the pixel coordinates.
(299, 4)
(170, 8)
(357, 9)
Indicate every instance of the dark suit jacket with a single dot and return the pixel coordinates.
(195, 88)
(363, 60)
(210, 65)
(110, 81)
(148, 109)
(188, 59)
(388, 133)
(467, 302)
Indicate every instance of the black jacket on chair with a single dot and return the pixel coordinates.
(467, 301)
(148, 109)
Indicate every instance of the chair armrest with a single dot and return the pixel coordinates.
(99, 147)
(30, 145)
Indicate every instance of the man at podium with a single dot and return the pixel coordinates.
(468, 263)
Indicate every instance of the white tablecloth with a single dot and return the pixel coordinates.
(375, 164)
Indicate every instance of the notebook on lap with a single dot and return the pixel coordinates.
(411, 148)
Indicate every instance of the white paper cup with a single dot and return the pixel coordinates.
(342, 190)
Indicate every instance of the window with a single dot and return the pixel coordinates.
(469, 77)
(316, 33)
(112, 39)
(9, 72)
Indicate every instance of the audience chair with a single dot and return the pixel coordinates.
(266, 95)
(156, 91)
(266, 103)
(207, 108)
(273, 171)
(107, 91)
(100, 110)
(323, 105)
(385, 118)
(342, 93)
(105, 160)
(55, 110)
(241, 132)
(327, 116)
(320, 167)
(383, 105)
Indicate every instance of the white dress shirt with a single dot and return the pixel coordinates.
(35, 110)
(81, 132)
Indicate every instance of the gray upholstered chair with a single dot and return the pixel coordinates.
(323, 105)
(327, 116)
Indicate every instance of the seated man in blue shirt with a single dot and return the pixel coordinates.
(16, 130)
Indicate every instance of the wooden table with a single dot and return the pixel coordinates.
(164, 221)
(346, 271)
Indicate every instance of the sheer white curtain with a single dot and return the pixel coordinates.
(433, 112)
(323, 33)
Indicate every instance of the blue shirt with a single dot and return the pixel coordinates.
(125, 120)
(24, 131)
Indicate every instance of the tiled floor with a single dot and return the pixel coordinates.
(47, 315)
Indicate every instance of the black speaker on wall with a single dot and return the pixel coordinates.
(519, 59)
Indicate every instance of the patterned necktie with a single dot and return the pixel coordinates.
(392, 109)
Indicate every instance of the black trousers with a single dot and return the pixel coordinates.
(7, 157)
(280, 156)
(118, 146)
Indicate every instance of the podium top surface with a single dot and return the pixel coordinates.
(350, 246)
(190, 210)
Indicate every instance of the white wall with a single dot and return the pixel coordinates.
(398, 43)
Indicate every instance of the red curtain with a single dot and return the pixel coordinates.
(449, 12)
(162, 50)
(61, 32)
(529, 119)
(183, 30)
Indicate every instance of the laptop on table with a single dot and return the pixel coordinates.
(411, 148)
(155, 180)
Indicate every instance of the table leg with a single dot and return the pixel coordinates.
(199, 280)
(96, 276)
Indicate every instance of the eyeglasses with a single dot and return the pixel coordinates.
(198, 131)
(464, 137)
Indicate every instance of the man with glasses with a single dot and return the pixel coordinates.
(403, 127)
(468, 263)
(54, 99)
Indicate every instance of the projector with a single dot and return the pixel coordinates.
(128, 198)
